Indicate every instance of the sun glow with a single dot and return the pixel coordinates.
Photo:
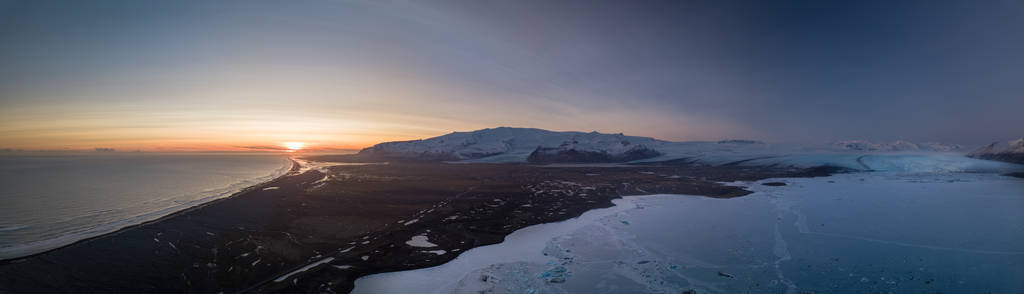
(294, 146)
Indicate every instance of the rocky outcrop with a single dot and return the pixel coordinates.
(567, 154)
(1009, 151)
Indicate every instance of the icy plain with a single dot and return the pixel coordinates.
(922, 224)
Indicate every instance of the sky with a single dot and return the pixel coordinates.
(250, 75)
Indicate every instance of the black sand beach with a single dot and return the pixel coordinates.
(351, 221)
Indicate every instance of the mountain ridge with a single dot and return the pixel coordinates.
(539, 146)
(531, 144)
(1006, 151)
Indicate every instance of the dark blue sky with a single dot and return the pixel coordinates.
(355, 71)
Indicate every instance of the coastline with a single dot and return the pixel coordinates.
(352, 262)
(293, 167)
(518, 246)
(321, 229)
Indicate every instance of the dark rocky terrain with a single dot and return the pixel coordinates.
(1004, 157)
(565, 154)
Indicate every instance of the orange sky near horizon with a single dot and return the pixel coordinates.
(204, 126)
(208, 130)
(266, 106)
(249, 76)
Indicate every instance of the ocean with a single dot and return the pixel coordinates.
(48, 200)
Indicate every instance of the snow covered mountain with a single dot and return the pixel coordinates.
(506, 144)
(526, 145)
(1008, 151)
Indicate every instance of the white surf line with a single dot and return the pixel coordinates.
(12, 228)
(305, 268)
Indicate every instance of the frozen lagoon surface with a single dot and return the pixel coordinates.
(891, 231)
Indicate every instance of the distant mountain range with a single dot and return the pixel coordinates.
(505, 144)
(1008, 151)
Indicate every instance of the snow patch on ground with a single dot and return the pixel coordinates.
(420, 241)
(302, 269)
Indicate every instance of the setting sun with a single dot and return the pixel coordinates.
(293, 146)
